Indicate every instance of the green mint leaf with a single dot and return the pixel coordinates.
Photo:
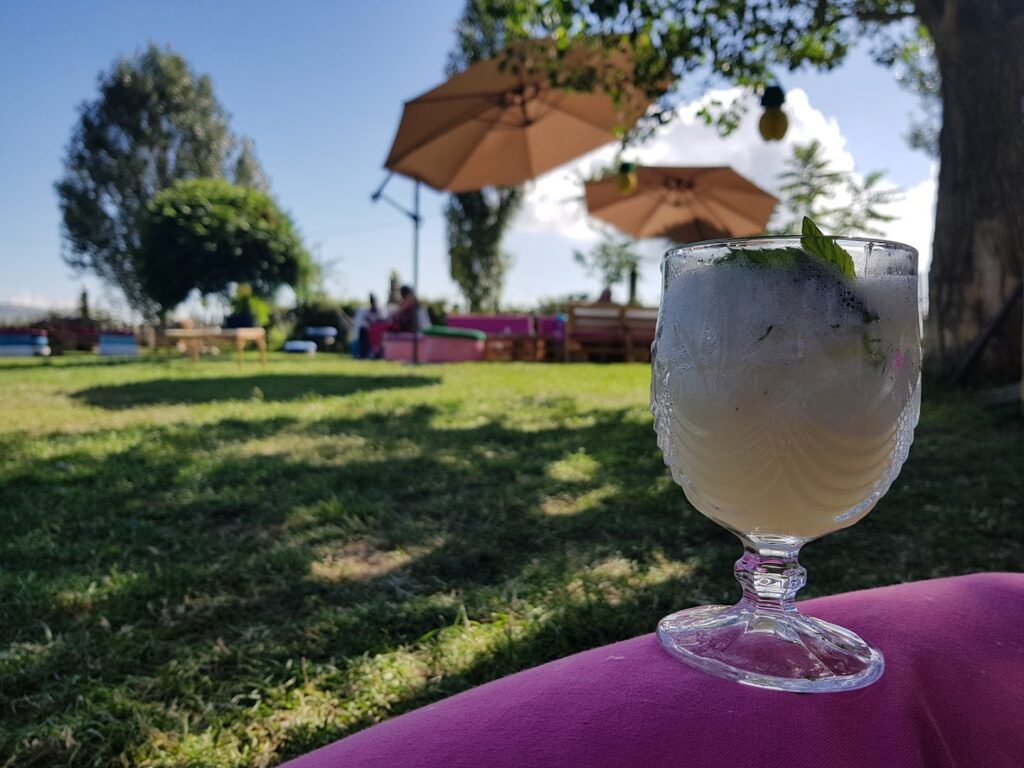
(825, 247)
(770, 257)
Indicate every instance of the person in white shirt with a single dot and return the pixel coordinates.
(364, 318)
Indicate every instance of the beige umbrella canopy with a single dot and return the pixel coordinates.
(682, 204)
(501, 122)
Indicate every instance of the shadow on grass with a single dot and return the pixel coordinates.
(49, 363)
(196, 564)
(268, 387)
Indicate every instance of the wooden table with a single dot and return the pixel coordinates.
(193, 339)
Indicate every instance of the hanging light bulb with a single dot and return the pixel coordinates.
(627, 181)
(773, 123)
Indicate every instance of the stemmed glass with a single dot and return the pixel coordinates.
(785, 395)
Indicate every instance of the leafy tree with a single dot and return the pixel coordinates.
(154, 121)
(613, 260)
(811, 187)
(477, 221)
(978, 251)
(247, 171)
(207, 234)
(917, 72)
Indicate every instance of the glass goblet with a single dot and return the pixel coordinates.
(785, 393)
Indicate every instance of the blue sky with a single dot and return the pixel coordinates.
(319, 86)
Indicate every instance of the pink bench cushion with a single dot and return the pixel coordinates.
(496, 325)
(551, 327)
(449, 349)
(952, 697)
(398, 346)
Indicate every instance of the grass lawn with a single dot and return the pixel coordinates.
(224, 566)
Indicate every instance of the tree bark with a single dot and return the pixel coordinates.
(978, 251)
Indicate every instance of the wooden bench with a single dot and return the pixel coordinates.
(639, 324)
(509, 337)
(594, 331)
(609, 332)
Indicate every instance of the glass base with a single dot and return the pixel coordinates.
(779, 650)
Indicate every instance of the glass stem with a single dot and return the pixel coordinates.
(770, 576)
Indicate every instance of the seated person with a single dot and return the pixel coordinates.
(410, 317)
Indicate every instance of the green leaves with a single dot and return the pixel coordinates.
(775, 257)
(154, 121)
(824, 247)
(813, 245)
(204, 234)
(825, 261)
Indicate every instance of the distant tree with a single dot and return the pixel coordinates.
(207, 235)
(613, 260)
(394, 288)
(154, 121)
(477, 221)
(247, 171)
(83, 304)
(835, 199)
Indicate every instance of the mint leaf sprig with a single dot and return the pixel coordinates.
(824, 247)
(832, 264)
(813, 242)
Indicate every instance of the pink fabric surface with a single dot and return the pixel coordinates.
(551, 327)
(451, 349)
(952, 696)
(497, 325)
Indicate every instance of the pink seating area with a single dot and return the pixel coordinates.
(494, 325)
(951, 697)
(446, 349)
(432, 349)
(551, 327)
(398, 346)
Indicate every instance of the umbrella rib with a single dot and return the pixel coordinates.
(711, 214)
(467, 157)
(714, 195)
(711, 193)
(443, 129)
(654, 210)
(573, 115)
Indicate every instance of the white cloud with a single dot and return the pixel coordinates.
(915, 218)
(30, 300)
(554, 202)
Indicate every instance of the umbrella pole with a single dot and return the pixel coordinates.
(414, 214)
(416, 269)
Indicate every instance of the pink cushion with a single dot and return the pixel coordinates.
(398, 346)
(451, 349)
(497, 325)
(952, 696)
(551, 327)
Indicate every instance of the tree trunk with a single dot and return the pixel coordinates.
(978, 251)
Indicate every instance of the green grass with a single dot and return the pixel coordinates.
(223, 566)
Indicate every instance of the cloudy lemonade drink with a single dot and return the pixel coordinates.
(785, 393)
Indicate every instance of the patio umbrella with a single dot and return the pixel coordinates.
(684, 204)
(501, 122)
